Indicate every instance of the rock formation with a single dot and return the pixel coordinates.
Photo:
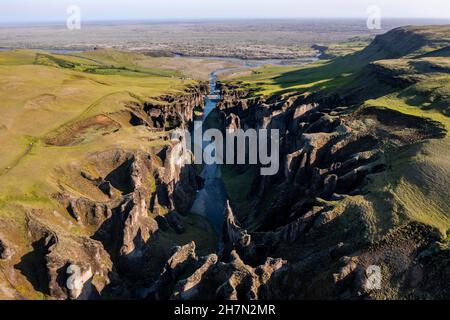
(6, 250)
(209, 278)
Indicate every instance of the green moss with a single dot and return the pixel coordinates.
(414, 186)
(238, 187)
(118, 67)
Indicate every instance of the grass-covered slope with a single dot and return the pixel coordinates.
(406, 70)
(39, 100)
(406, 42)
(391, 98)
(57, 113)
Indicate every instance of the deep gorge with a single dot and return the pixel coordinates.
(302, 223)
(362, 184)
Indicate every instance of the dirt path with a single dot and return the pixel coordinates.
(17, 161)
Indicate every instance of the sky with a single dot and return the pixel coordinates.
(94, 10)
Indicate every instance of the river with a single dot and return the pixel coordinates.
(212, 198)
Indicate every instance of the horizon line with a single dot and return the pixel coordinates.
(179, 20)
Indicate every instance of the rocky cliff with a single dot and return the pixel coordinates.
(332, 215)
(329, 156)
(360, 189)
(127, 201)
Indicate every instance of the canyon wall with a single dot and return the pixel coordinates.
(122, 198)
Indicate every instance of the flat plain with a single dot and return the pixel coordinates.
(256, 39)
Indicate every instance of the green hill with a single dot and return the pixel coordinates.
(402, 80)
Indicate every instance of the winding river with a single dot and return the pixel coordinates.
(212, 198)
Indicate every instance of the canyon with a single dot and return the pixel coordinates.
(141, 223)
(315, 230)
